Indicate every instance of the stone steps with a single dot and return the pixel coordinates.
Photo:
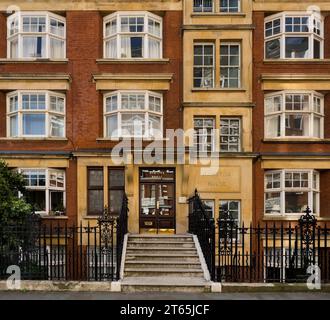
(163, 263)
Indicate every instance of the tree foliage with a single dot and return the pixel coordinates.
(12, 208)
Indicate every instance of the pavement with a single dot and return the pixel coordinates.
(41, 295)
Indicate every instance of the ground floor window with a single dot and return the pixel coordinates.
(46, 190)
(291, 191)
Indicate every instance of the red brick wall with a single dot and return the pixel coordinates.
(261, 146)
(84, 107)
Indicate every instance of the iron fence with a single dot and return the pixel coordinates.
(271, 252)
(61, 252)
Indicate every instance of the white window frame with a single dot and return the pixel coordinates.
(281, 36)
(47, 188)
(145, 34)
(198, 135)
(282, 190)
(210, 203)
(228, 7)
(239, 136)
(282, 113)
(229, 44)
(204, 66)
(48, 112)
(238, 221)
(17, 20)
(203, 7)
(119, 112)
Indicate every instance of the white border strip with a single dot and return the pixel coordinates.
(123, 256)
(202, 259)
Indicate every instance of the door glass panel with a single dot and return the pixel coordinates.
(165, 199)
(148, 199)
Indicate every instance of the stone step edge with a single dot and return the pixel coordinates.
(169, 270)
(162, 262)
(160, 248)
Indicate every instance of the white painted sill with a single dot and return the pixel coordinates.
(6, 60)
(133, 61)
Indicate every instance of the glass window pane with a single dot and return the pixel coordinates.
(273, 127)
(116, 178)
(57, 202)
(115, 201)
(14, 126)
(296, 47)
(297, 125)
(95, 202)
(273, 202)
(34, 124)
(95, 177)
(273, 49)
(112, 126)
(34, 47)
(296, 202)
(37, 198)
(57, 49)
(56, 126)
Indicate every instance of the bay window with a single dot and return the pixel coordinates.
(294, 114)
(133, 114)
(33, 35)
(45, 190)
(35, 114)
(294, 36)
(291, 191)
(129, 35)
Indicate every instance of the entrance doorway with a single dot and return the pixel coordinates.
(157, 200)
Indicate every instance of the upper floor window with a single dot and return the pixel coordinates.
(230, 65)
(45, 190)
(203, 5)
(203, 65)
(291, 191)
(204, 134)
(228, 6)
(133, 114)
(294, 114)
(230, 134)
(33, 35)
(129, 35)
(35, 114)
(223, 6)
(294, 36)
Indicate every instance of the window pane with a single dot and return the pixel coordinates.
(296, 47)
(14, 126)
(57, 202)
(273, 202)
(297, 125)
(273, 127)
(154, 48)
(56, 126)
(37, 198)
(273, 49)
(111, 103)
(111, 27)
(317, 127)
(95, 177)
(204, 134)
(14, 48)
(95, 202)
(112, 126)
(296, 202)
(155, 125)
(57, 27)
(133, 124)
(57, 104)
(116, 178)
(115, 201)
(203, 5)
(131, 47)
(230, 132)
(34, 47)
(111, 48)
(317, 49)
(56, 49)
(34, 124)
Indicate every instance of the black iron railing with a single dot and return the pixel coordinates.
(202, 225)
(61, 252)
(273, 253)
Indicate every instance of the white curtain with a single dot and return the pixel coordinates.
(272, 127)
(33, 47)
(56, 48)
(125, 47)
(317, 127)
(111, 48)
(14, 48)
(154, 48)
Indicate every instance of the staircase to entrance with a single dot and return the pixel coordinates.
(171, 263)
